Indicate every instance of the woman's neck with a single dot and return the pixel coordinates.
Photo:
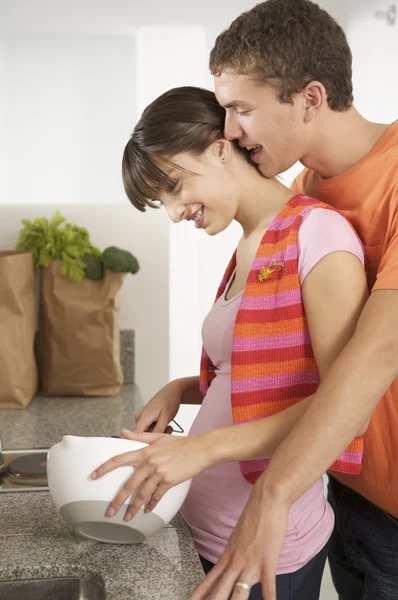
(259, 199)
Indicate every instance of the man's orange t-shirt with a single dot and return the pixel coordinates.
(367, 194)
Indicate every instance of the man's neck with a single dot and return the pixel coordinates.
(342, 140)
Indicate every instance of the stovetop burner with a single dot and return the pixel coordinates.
(24, 471)
(29, 465)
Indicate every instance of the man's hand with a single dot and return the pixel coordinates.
(252, 552)
(342, 404)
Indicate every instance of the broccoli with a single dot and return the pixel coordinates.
(94, 267)
(120, 261)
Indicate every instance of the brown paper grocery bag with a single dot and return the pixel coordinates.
(18, 369)
(79, 339)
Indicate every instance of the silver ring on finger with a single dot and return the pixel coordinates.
(243, 586)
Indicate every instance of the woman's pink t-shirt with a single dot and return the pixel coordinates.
(218, 495)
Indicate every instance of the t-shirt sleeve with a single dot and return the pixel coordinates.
(323, 232)
(298, 185)
(387, 273)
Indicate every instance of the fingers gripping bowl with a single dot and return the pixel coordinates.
(83, 501)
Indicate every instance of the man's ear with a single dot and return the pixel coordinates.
(314, 99)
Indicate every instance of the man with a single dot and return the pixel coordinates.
(283, 73)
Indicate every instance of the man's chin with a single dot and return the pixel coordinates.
(267, 171)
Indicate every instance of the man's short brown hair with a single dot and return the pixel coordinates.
(288, 43)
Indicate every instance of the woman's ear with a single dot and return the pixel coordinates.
(222, 150)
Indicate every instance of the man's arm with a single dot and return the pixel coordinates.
(345, 399)
(343, 402)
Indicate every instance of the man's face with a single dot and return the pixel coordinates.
(257, 119)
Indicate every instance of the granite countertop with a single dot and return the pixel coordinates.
(47, 419)
(36, 543)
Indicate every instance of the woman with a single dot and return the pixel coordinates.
(288, 303)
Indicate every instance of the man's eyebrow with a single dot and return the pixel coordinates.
(236, 104)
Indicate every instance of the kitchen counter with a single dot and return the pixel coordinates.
(47, 419)
(36, 543)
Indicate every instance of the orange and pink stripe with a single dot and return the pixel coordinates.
(272, 363)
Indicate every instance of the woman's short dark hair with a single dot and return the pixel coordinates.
(184, 119)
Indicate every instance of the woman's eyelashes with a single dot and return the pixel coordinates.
(174, 191)
(177, 187)
(243, 112)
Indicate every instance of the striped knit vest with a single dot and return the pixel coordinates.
(272, 363)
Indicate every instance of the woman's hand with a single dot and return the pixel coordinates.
(167, 461)
(160, 410)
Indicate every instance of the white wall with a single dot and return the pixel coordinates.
(156, 73)
(374, 45)
(71, 95)
(119, 17)
(69, 105)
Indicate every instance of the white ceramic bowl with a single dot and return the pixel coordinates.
(83, 501)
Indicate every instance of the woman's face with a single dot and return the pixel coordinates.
(204, 191)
